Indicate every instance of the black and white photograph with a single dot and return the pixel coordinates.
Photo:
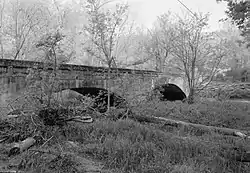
(124, 86)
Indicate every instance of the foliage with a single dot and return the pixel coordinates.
(20, 22)
(103, 30)
(128, 146)
(133, 147)
(182, 47)
(239, 74)
(198, 53)
(23, 22)
(125, 145)
(51, 44)
(237, 53)
(238, 11)
(158, 46)
(37, 160)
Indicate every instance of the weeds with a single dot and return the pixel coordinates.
(213, 113)
(130, 146)
(133, 147)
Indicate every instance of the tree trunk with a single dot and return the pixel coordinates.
(109, 73)
(191, 96)
(17, 37)
(54, 73)
(1, 27)
(192, 84)
(2, 49)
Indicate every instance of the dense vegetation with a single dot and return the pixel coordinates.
(58, 135)
(238, 12)
(129, 146)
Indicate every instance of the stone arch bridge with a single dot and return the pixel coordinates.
(14, 72)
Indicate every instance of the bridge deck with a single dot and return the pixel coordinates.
(23, 64)
(13, 75)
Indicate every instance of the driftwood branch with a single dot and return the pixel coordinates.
(175, 123)
(22, 146)
(82, 119)
(244, 157)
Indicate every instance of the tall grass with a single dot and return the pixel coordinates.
(133, 147)
(214, 113)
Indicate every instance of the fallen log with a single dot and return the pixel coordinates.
(22, 146)
(175, 123)
(225, 131)
(82, 119)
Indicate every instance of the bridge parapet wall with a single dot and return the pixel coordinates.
(14, 73)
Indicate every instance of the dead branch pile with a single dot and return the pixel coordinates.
(61, 116)
(229, 90)
(20, 130)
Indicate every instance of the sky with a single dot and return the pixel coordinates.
(145, 12)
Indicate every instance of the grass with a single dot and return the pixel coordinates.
(131, 147)
(213, 113)
(134, 147)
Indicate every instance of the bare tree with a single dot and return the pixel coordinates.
(2, 6)
(162, 38)
(104, 29)
(156, 46)
(23, 18)
(236, 46)
(197, 54)
(50, 44)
